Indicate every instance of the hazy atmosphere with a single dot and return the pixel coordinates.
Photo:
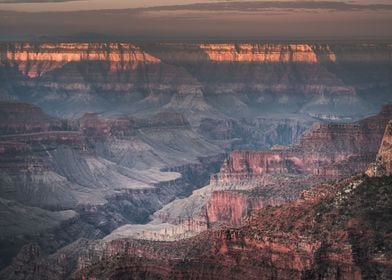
(207, 20)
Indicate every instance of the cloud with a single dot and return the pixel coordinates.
(248, 20)
(34, 1)
(235, 5)
(257, 6)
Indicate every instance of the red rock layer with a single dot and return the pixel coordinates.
(261, 53)
(385, 152)
(87, 67)
(231, 207)
(36, 60)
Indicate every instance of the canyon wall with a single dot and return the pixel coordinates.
(208, 79)
(233, 207)
(261, 53)
(35, 60)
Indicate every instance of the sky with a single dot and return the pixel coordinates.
(71, 5)
(196, 19)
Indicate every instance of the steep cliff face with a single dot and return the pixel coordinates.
(35, 60)
(261, 53)
(232, 208)
(225, 206)
(242, 165)
(385, 152)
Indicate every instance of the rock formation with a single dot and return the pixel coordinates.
(385, 153)
(261, 53)
(325, 152)
(19, 118)
(382, 166)
(333, 231)
(37, 60)
(251, 180)
(106, 171)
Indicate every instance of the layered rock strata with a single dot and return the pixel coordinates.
(330, 232)
(333, 231)
(106, 171)
(261, 53)
(37, 60)
(69, 79)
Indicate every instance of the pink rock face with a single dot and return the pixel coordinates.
(226, 206)
(385, 152)
(84, 67)
(53, 56)
(261, 53)
(232, 207)
(250, 164)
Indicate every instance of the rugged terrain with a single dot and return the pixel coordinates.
(117, 140)
(333, 231)
(338, 230)
(250, 180)
(94, 173)
(104, 172)
(329, 233)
